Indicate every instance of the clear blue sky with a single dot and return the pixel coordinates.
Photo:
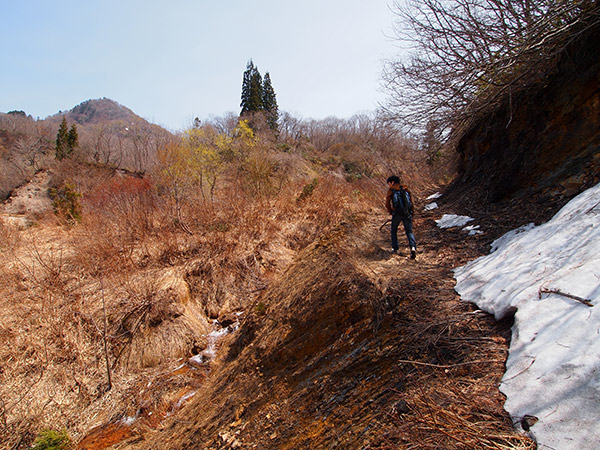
(171, 61)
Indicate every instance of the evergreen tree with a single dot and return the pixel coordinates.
(246, 82)
(258, 95)
(62, 140)
(252, 90)
(255, 100)
(66, 140)
(73, 138)
(269, 102)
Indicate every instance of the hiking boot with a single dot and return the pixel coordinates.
(393, 252)
(413, 253)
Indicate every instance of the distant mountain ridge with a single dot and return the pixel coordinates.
(100, 110)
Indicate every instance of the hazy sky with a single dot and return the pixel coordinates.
(171, 61)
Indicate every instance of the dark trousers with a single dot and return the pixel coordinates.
(408, 228)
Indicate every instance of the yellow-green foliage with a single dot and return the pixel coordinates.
(197, 161)
(238, 146)
(180, 169)
(203, 148)
(53, 440)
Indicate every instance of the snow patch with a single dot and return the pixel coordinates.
(504, 240)
(453, 220)
(553, 367)
(473, 230)
(430, 206)
(434, 196)
(127, 421)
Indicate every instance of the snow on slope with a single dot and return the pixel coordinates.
(553, 367)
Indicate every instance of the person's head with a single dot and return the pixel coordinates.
(393, 180)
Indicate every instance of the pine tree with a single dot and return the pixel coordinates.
(62, 140)
(252, 90)
(269, 102)
(66, 140)
(73, 139)
(246, 82)
(258, 95)
(255, 103)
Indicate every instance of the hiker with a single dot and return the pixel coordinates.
(399, 204)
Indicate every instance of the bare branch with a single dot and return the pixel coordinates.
(468, 56)
(585, 301)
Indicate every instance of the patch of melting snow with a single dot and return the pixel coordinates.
(503, 240)
(434, 196)
(430, 206)
(453, 220)
(128, 421)
(180, 402)
(473, 230)
(174, 370)
(549, 277)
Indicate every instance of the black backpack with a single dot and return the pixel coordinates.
(402, 202)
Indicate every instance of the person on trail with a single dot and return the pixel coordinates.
(398, 202)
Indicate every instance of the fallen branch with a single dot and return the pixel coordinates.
(384, 224)
(564, 294)
(447, 366)
(516, 375)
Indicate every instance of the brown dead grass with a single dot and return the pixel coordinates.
(157, 284)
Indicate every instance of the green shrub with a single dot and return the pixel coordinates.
(52, 440)
(307, 190)
(260, 309)
(355, 170)
(65, 201)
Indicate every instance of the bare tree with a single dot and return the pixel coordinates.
(465, 57)
(290, 127)
(146, 140)
(225, 124)
(102, 143)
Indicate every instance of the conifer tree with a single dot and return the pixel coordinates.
(252, 90)
(66, 140)
(246, 88)
(73, 138)
(269, 102)
(62, 140)
(258, 95)
(255, 99)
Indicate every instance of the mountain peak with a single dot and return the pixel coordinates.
(100, 110)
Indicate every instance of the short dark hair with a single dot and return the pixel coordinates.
(393, 179)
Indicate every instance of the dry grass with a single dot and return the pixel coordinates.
(130, 259)
(445, 418)
(130, 290)
(449, 359)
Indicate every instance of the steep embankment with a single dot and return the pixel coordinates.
(542, 147)
(353, 349)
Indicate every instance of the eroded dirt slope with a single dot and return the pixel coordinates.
(352, 348)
